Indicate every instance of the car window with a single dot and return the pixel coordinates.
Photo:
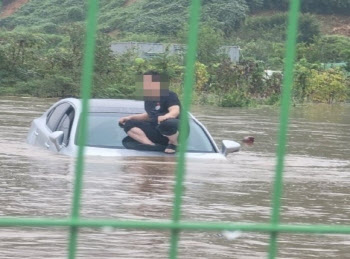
(65, 125)
(55, 115)
(104, 131)
(198, 140)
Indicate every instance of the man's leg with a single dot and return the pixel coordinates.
(173, 138)
(169, 129)
(139, 135)
(173, 141)
(136, 130)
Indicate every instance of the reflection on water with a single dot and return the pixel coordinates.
(35, 183)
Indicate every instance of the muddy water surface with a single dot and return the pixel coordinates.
(35, 183)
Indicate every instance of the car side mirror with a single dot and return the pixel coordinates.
(57, 138)
(229, 146)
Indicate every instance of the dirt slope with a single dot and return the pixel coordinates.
(329, 24)
(335, 24)
(129, 2)
(11, 8)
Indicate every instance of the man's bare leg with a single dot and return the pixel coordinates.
(139, 135)
(172, 140)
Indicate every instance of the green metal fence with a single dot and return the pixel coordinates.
(176, 225)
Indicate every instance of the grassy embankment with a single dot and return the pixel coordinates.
(41, 49)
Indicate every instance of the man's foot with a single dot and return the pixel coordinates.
(170, 149)
(131, 143)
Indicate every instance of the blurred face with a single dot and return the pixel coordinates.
(151, 88)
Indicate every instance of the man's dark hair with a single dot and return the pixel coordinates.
(157, 77)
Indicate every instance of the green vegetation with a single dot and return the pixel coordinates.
(327, 49)
(163, 17)
(50, 65)
(313, 83)
(41, 50)
(314, 6)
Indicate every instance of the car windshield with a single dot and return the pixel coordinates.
(104, 131)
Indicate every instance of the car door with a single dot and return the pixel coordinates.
(65, 125)
(51, 123)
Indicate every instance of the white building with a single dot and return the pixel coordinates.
(148, 50)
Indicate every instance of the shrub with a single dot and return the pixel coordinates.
(328, 49)
(255, 5)
(309, 28)
(302, 73)
(31, 88)
(51, 86)
(209, 42)
(75, 14)
(273, 28)
(202, 76)
(235, 98)
(226, 15)
(50, 28)
(115, 91)
(273, 99)
(326, 86)
(273, 86)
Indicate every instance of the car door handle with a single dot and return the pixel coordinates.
(36, 133)
(47, 145)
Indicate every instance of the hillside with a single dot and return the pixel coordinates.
(42, 42)
(162, 17)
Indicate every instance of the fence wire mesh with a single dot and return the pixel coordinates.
(175, 225)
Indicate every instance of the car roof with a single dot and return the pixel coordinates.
(116, 105)
(111, 105)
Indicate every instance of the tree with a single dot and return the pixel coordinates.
(255, 5)
(227, 15)
(209, 42)
(50, 28)
(20, 50)
(328, 49)
(75, 14)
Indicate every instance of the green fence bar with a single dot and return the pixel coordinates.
(88, 66)
(282, 139)
(169, 225)
(187, 96)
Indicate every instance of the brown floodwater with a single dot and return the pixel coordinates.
(36, 183)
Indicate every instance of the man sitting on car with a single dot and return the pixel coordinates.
(159, 124)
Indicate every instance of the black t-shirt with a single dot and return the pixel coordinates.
(161, 107)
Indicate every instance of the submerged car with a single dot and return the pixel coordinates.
(57, 130)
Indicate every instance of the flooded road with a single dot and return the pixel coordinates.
(35, 183)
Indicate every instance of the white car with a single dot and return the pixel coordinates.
(56, 130)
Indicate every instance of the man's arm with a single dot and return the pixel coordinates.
(173, 113)
(140, 117)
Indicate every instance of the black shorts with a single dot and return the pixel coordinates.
(155, 132)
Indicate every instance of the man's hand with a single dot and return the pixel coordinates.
(163, 118)
(174, 112)
(140, 117)
(124, 119)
